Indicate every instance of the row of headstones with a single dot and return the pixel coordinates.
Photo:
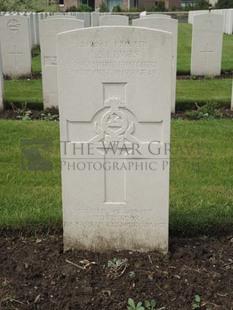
(206, 46)
(227, 18)
(17, 49)
(19, 32)
(90, 20)
(34, 20)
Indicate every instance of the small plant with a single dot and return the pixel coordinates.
(207, 111)
(150, 304)
(49, 117)
(197, 302)
(117, 267)
(116, 262)
(22, 113)
(133, 306)
(131, 274)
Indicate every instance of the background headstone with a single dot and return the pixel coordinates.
(143, 14)
(170, 25)
(49, 28)
(227, 18)
(60, 16)
(95, 16)
(35, 20)
(114, 87)
(117, 20)
(15, 45)
(158, 15)
(207, 36)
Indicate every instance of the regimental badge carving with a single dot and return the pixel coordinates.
(13, 25)
(115, 122)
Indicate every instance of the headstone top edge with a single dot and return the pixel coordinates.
(100, 28)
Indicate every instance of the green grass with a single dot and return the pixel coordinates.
(36, 64)
(227, 58)
(23, 91)
(202, 91)
(28, 198)
(188, 92)
(201, 177)
(184, 50)
(201, 191)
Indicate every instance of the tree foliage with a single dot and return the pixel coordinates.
(103, 7)
(24, 5)
(201, 5)
(224, 4)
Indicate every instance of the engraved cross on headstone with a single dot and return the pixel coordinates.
(16, 55)
(115, 128)
(207, 51)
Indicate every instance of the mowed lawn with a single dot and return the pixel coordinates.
(188, 92)
(201, 191)
(183, 51)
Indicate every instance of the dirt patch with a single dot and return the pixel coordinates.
(36, 274)
(225, 75)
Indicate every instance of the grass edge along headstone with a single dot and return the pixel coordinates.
(114, 108)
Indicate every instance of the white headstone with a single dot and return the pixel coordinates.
(170, 25)
(60, 16)
(1, 83)
(158, 15)
(95, 16)
(142, 14)
(207, 36)
(15, 44)
(36, 28)
(31, 32)
(49, 28)
(114, 20)
(32, 29)
(85, 16)
(114, 91)
(229, 21)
